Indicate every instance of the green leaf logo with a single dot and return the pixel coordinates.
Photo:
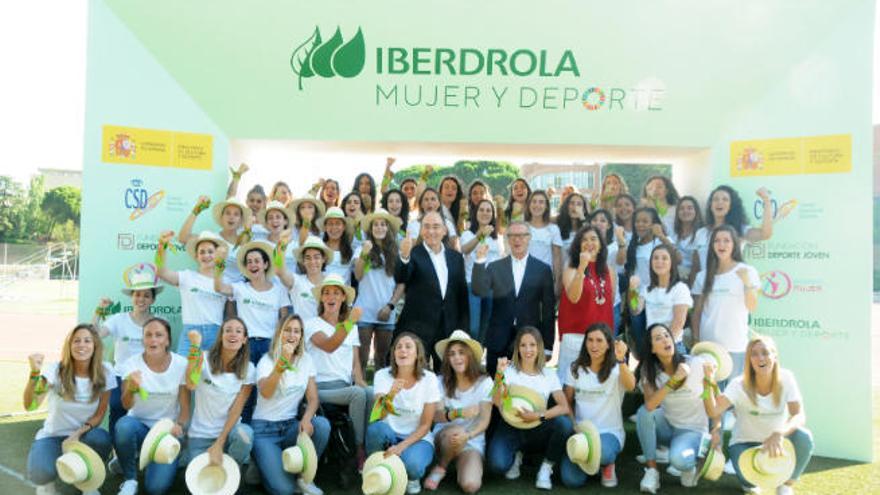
(330, 58)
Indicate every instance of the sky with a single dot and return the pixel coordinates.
(42, 91)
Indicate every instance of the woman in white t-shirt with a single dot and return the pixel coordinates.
(154, 388)
(665, 299)
(659, 193)
(572, 216)
(594, 387)
(461, 422)
(222, 379)
(483, 229)
(504, 454)
(689, 236)
(453, 204)
(306, 212)
(429, 200)
(674, 414)
(286, 376)
(378, 292)
(727, 292)
(546, 241)
(338, 232)
(406, 398)
(355, 209)
(312, 257)
(234, 218)
(768, 407)
(78, 389)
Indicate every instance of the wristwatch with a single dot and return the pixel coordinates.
(542, 417)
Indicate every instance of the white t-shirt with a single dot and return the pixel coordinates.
(374, 292)
(259, 232)
(66, 416)
(339, 268)
(477, 394)
(162, 389)
(409, 403)
(725, 318)
(683, 407)
(544, 383)
(706, 233)
(660, 304)
(755, 422)
(687, 247)
(304, 302)
(199, 304)
(336, 365)
(128, 338)
(214, 397)
(259, 309)
(494, 253)
(612, 265)
(542, 242)
(231, 274)
(598, 402)
(291, 389)
(643, 259)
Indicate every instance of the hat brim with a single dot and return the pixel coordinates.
(764, 480)
(319, 205)
(440, 347)
(304, 441)
(200, 462)
(193, 243)
(299, 252)
(398, 470)
(96, 465)
(265, 211)
(242, 252)
(349, 293)
(217, 211)
(157, 288)
(349, 223)
(528, 395)
(394, 223)
(591, 466)
(160, 428)
(718, 354)
(713, 465)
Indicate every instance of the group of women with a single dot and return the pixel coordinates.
(245, 389)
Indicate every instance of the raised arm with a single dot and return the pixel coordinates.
(232, 190)
(766, 230)
(202, 204)
(162, 269)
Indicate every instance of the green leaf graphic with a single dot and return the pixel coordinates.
(300, 60)
(322, 56)
(348, 60)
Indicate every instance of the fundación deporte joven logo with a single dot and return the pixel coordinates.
(330, 58)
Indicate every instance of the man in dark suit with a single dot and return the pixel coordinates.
(436, 289)
(522, 295)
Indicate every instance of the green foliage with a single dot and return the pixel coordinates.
(22, 215)
(635, 174)
(497, 175)
(61, 205)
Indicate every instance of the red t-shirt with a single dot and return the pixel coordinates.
(576, 317)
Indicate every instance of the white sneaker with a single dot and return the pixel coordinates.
(689, 478)
(114, 466)
(753, 490)
(47, 489)
(309, 488)
(650, 481)
(671, 471)
(662, 456)
(129, 487)
(784, 490)
(543, 481)
(728, 467)
(513, 472)
(413, 486)
(252, 474)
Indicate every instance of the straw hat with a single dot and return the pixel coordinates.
(80, 466)
(523, 398)
(217, 211)
(261, 245)
(759, 469)
(459, 336)
(384, 475)
(393, 222)
(713, 465)
(723, 361)
(585, 447)
(334, 280)
(313, 242)
(204, 236)
(337, 213)
(274, 205)
(140, 276)
(301, 459)
(319, 205)
(205, 479)
(159, 446)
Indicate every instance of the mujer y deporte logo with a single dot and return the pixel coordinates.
(330, 58)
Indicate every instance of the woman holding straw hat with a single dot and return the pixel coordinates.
(595, 384)
(201, 308)
(406, 397)
(286, 376)
(235, 220)
(338, 230)
(528, 426)
(770, 420)
(378, 292)
(460, 430)
(154, 391)
(78, 389)
(312, 256)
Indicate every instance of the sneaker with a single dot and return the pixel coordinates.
(542, 481)
(689, 478)
(728, 467)
(751, 490)
(129, 487)
(784, 490)
(252, 474)
(413, 486)
(633, 419)
(308, 488)
(513, 472)
(609, 476)
(671, 471)
(650, 481)
(47, 489)
(114, 466)
(661, 456)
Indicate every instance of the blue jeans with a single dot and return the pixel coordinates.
(238, 444)
(116, 409)
(258, 347)
(654, 429)
(417, 457)
(209, 333)
(802, 440)
(130, 433)
(271, 438)
(575, 477)
(507, 440)
(480, 310)
(616, 330)
(45, 451)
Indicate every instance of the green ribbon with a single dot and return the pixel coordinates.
(102, 313)
(660, 209)
(278, 254)
(156, 446)
(386, 181)
(346, 325)
(710, 389)
(219, 266)
(243, 238)
(201, 206)
(159, 259)
(384, 404)
(40, 388)
(285, 364)
(633, 299)
(195, 355)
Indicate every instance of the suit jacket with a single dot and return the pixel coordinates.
(534, 306)
(425, 311)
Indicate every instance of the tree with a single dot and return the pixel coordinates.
(497, 175)
(61, 205)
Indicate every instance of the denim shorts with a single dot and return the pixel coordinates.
(385, 327)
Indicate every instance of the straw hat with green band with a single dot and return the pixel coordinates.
(159, 446)
(274, 205)
(337, 213)
(204, 236)
(393, 222)
(319, 205)
(584, 448)
(723, 361)
(521, 397)
(761, 470)
(80, 466)
(384, 475)
(242, 253)
(140, 276)
(463, 337)
(713, 465)
(334, 280)
(313, 242)
(217, 211)
(301, 459)
(202, 478)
